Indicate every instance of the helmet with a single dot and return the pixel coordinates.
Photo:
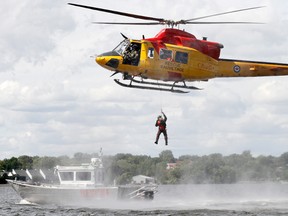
(159, 116)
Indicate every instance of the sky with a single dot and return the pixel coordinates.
(55, 100)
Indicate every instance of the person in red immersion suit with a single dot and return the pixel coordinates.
(161, 124)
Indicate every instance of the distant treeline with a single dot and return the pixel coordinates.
(212, 169)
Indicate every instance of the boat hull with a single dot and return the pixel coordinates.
(50, 194)
(75, 196)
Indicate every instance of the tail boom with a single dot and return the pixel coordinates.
(241, 68)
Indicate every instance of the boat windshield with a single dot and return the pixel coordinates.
(83, 176)
(66, 176)
(120, 49)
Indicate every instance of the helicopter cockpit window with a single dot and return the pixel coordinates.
(131, 55)
(165, 54)
(120, 49)
(181, 57)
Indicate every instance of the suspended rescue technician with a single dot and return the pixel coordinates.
(161, 124)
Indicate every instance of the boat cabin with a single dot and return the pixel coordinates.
(91, 174)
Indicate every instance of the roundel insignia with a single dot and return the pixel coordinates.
(237, 68)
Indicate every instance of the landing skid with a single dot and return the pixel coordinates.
(168, 85)
(152, 86)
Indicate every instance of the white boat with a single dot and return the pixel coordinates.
(80, 184)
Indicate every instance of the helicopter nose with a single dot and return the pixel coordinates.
(100, 60)
(107, 60)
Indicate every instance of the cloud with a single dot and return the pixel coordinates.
(29, 29)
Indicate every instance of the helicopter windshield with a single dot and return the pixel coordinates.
(120, 49)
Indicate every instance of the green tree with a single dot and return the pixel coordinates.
(26, 162)
(81, 158)
(160, 172)
(174, 176)
(2, 165)
(11, 163)
(45, 162)
(167, 156)
(64, 160)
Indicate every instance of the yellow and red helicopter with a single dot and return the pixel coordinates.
(174, 56)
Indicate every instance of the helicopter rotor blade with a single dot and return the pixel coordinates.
(119, 13)
(126, 23)
(223, 13)
(124, 36)
(161, 21)
(215, 23)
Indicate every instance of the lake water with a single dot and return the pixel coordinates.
(265, 199)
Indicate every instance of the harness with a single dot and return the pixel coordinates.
(161, 124)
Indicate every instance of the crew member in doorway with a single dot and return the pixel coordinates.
(161, 124)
